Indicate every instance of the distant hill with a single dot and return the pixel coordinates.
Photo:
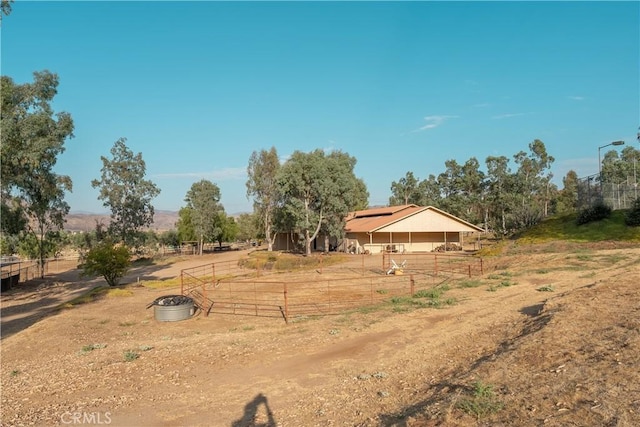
(82, 221)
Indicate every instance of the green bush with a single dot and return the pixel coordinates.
(632, 219)
(593, 213)
(107, 260)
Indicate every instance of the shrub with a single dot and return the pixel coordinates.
(593, 213)
(107, 260)
(632, 219)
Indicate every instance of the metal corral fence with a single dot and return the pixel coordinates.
(14, 272)
(433, 263)
(362, 280)
(292, 299)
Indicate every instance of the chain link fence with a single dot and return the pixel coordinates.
(617, 195)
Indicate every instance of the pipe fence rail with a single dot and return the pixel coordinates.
(434, 263)
(290, 296)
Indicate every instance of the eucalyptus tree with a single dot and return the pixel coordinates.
(430, 194)
(248, 227)
(406, 191)
(567, 200)
(500, 194)
(186, 232)
(226, 230)
(344, 193)
(620, 167)
(124, 190)
(317, 192)
(262, 185)
(450, 183)
(203, 201)
(32, 138)
(533, 181)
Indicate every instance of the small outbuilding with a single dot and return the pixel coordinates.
(405, 228)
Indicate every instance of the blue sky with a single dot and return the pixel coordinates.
(196, 87)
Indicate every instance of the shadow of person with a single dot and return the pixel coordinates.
(253, 416)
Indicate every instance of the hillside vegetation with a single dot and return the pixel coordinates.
(565, 228)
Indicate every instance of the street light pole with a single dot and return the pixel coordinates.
(600, 162)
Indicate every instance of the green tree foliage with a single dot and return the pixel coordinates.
(621, 167)
(107, 260)
(186, 232)
(124, 190)
(262, 186)
(170, 238)
(504, 200)
(227, 229)
(318, 191)
(32, 139)
(500, 194)
(203, 200)
(249, 225)
(567, 201)
(406, 191)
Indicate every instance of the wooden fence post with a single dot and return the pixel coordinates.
(286, 304)
(435, 264)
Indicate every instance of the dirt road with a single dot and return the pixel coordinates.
(553, 333)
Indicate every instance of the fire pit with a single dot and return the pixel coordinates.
(171, 308)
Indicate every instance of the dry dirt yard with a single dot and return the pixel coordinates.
(550, 336)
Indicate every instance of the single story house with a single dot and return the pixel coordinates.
(406, 228)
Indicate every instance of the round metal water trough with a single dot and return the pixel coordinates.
(171, 308)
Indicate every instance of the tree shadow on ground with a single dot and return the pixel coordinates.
(36, 299)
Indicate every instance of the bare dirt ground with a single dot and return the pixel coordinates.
(549, 336)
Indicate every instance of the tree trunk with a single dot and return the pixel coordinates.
(307, 243)
(326, 243)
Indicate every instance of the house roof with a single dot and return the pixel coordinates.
(372, 220)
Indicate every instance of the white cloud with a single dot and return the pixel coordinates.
(506, 116)
(434, 122)
(224, 174)
(576, 98)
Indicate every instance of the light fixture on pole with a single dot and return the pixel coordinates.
(600, 162)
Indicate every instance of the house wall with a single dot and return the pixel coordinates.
(401, 242)
(427, 221)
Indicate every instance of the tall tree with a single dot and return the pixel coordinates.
(317, 190)
(430, 192)
(567, 201)
(533, 181)
(344, 193)
(262, 185)
(32, 138)
(203, 199)
(248, 227)
(124, 190)
(500, 194)
(472, 186)
(226, 230)
(46, 210)
(186, 232)
(405, 191)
